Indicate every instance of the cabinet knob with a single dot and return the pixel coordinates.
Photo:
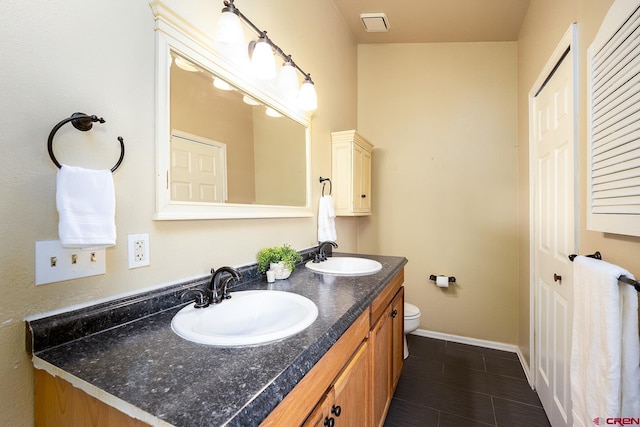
(394, 313)
(557, 278)
(364, 196)
(336, 410)
(329, 422)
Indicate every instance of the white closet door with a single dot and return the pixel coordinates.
(554, 239)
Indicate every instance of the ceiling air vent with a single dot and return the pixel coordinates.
(375, 22)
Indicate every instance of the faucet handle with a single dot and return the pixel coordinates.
(201, 300)
(225, 288)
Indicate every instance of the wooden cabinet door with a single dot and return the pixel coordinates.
(397, 352)
(347, 402)
(59, 403)
(351, 407)
(321, 415)
(381, 366)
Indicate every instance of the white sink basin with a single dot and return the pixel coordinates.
(248, 318)
(345, 266)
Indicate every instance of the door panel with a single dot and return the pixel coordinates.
(554, 233)
(197, 171)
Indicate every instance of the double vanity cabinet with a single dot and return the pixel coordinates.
(341, 371)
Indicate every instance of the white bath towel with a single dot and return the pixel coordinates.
(605, 348)
(86, 205)
(326, 221)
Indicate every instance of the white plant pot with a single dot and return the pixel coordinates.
(280, 270)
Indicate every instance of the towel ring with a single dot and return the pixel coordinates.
(322, 180)
(82, 122)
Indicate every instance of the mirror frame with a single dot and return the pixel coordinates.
(174, 33)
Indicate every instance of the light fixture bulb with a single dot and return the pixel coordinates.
(263, 62)
(308, 99)
(228, 38)
(185, 64)
(288, 82)
(249, 100)
(273, 113)
(221, 84)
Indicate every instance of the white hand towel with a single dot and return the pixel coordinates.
(330, 210)
(86, 205)
(326, 222)
(605, 348)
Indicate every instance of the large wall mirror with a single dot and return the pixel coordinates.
(227, 146)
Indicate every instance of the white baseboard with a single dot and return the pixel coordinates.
(511, 348)
(526, 369)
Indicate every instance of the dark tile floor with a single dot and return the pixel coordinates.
(445, 384)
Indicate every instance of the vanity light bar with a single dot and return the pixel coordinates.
(229, 7)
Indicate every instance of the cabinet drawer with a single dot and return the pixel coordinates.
(384, 299)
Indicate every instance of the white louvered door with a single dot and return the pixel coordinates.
(554, 239)
(614, 111)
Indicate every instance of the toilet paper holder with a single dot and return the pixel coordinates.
(451, 278)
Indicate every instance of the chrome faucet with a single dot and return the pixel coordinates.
(321, 256)
(217, 293)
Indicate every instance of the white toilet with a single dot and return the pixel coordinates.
(411, 323)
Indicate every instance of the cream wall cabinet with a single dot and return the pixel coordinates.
(351, 173)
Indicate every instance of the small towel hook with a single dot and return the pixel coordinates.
(82, 122)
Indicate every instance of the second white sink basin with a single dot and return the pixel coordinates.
(248, 318)
(345, 266)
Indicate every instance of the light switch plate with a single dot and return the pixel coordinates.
(56, 264)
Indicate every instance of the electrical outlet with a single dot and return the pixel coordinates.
(138, 250)
(56, 264)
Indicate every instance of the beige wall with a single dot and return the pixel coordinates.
(545, 24)
(98, 57)
(442, 118)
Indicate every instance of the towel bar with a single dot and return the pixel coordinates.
(82, 122)
(623, 279)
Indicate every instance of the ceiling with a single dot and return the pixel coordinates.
(437, 21)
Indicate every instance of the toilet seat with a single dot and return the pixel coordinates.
(411, 311)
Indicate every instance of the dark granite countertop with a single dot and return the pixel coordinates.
(138, 358)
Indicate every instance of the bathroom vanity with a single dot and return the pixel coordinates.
(120, 361)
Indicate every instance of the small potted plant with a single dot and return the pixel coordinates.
(281, 259)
